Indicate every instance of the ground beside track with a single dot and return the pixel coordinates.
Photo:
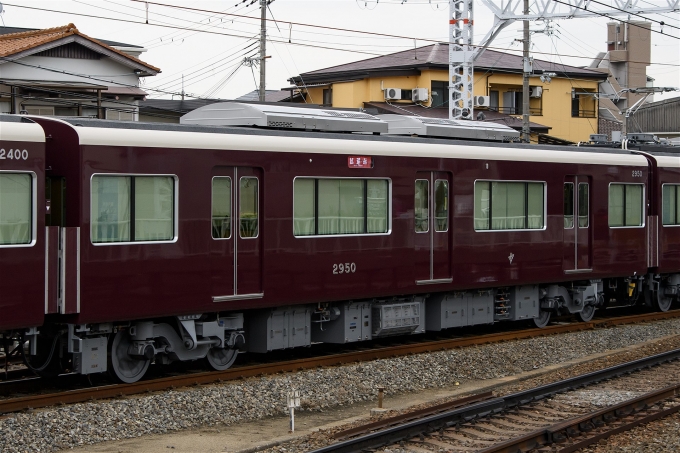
(421, 378)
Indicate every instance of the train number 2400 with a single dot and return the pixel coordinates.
(13, 154)
(344, 268)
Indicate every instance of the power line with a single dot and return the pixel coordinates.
(636, 14)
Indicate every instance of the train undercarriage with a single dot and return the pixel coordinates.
(126, 350)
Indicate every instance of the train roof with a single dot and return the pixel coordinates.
(165, 135)
(20, 129)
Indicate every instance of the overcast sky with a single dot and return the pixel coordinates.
(211, 62)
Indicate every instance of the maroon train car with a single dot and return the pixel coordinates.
(22, 227)
(183, 242)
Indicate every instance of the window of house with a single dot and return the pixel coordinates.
(439, 92)
(132, 208)
(221, 208)
(324, 206)
(625, 205)
(501, 205)
(494, 99)
(671, 204)
(328, 96)
(583, 104)
(119, 115)
(16, 208)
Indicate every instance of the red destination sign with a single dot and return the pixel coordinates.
(359, 162)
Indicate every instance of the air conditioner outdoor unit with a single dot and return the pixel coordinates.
(536, 92)
(420, 95)
(392, 94)
(482, 101)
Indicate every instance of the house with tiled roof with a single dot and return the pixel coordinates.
(563, 103)
(58, 71)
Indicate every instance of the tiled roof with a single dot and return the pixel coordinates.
(4, 30)
(437, 56)
(14, 43)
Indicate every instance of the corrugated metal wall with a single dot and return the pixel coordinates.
(662, 116)
(70, 50)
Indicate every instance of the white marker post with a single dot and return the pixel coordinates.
(293, 401)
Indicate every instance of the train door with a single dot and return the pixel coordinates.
(236, 255)
(577, 224)
(432, 224)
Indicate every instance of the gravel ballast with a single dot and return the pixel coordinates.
(233, 402)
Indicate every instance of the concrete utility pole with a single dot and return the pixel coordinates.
(263, 46)
(526, 130)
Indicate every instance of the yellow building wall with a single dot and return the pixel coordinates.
(555, 102)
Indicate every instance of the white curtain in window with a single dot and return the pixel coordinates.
(482, 197)
(377, 190)
(616, 205)
(507, 206)
(341, 206)
(670, 204)
(303, 207)
(15, 208)
(535, 205)
(221, 208)
(633, 205)
(154, 208)
(110, 209)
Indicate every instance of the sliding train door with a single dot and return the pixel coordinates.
(577, 225)
(236, 251)
(431, 227)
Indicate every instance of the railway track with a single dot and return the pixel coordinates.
(560, 417)
(57, 396)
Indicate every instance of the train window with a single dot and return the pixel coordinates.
(583, 205)
(248, 207)
(221, 208)
(132, 208)
(441, 205)
(324, 206)
(568, 205)
(625, 205)
(15, 208)
(671, 204)
(422, 203)
(501, 205)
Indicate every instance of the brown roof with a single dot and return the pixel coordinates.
(436, 56)
(15, 43)
(492, 116)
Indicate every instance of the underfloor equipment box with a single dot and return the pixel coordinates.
(459, 309)
(524, 302)
(280, 328)
(352, 324)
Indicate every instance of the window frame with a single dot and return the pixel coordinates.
(231, 207)
(33, 210)
(175, 204)
(427, 185)
(677, 214)
(316, 236)
(448, 207)
(545, 204)
(587, 216)
(573, 205)
(643, 204)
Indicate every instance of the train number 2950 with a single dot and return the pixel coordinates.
(13, 154)
(344, 268)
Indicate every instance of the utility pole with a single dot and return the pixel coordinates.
(263, 46)
(526, 130)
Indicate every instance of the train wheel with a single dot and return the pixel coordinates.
(587, 313)
(543, 319)
(220, 358)
(661, 302)
(121, 366)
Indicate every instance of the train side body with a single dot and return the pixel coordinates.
(22, 224)
(194, 273)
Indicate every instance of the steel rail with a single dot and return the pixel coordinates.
(579, 432)
(455, 417)
(210, 377)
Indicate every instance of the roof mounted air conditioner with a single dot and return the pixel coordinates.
(392, 94)
(482, 101)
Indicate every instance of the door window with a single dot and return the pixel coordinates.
(441, 205)
(568, 205)
(248, 207)
(221, 208)
(583, 205)
(422, 203)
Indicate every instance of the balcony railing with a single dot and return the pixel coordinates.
(534, 111)
(583, 114)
